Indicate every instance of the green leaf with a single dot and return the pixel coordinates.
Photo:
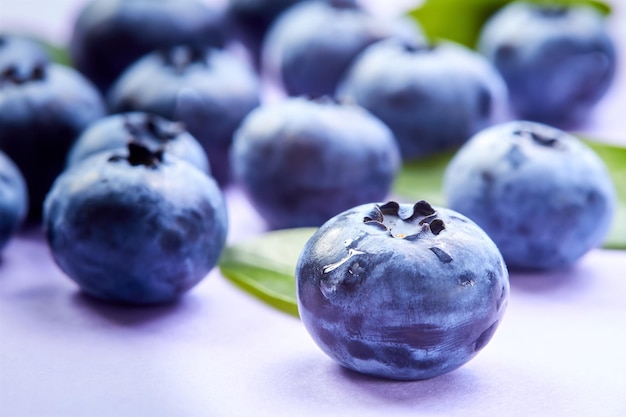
(459, 21)
(615, 159)
(58, 54)
(462, 20)
(265, 266)
(423, 179)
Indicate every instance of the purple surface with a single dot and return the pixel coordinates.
(560, 350)
(218, 352)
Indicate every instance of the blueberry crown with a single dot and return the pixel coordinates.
(405, 224)
(141, 154)
(540, 138)
(343, 4)
(552, 10)
(152, 127)
(12, 75)
(181, 57)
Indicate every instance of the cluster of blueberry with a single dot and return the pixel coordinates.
(185, 118)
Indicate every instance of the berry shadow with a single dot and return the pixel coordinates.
(132, 315)
(315, 379)
(574, 278)
(427, 392)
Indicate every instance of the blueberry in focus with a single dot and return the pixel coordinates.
(109, 35)
(433, 97)
(139, 228)
(401, 291)
(303, 161)
(13, 199)
(114, 132)
(209, 90)
(312, 44)
(43, 108)
(557, 60)
(542, 195)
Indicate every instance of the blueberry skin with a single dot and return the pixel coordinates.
(433, 97)
(312, 44)
(135, 229)
(542, 195)
(112, 134)
(109, 35)
(18, 50)
(251, 20)
(401, 291)
(557, 61)
(43, 108)
(13, 199)
(209, 90)
(301, 161)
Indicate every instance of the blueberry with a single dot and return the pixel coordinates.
(13, 199)
(109, 35)
(312, 44)
(17, 51)
(111, 133)
(252, 19)
(139, 228)
(209, 90)
(542, 195)
(302, 161)
(433, 97)
(43, 108)
(558, 61)
(401, 291)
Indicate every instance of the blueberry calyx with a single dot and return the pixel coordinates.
(326, 100)
(182, 56)
(553, 11)
(405, 225)
(152, 127)
(538, 138)
(11, 74)
(415, 48)
(140, 154)
(343, 4)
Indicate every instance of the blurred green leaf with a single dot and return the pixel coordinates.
(462, 20)
(265, 266)
(423, 179)
(615, 159)
(57, 53)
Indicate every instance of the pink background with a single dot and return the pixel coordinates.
(560, 350)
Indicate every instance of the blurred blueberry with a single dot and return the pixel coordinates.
(141, 227)
(557, 60)
(401, 291)
(251, 20)
(109, 35)
(312, 44)
(43, 108)
(542, 195)
(303, 161)
(433, 97)
(18, 51)
(13, 199)
(209, 90)
(111, 133)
